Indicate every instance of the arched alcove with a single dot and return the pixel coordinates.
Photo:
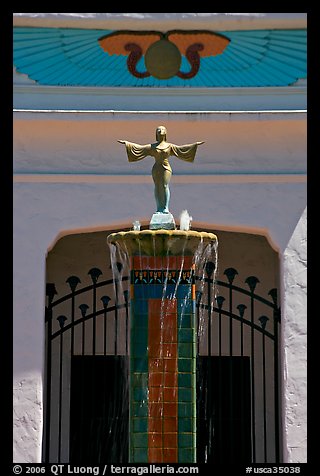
(238, 355)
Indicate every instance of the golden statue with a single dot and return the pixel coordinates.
(161, 171)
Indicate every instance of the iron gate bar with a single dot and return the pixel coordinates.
(264, 396)
(231, 371)
(85, 289)
(257, 297)
(84, 319)
(238, 318)
(253, 406)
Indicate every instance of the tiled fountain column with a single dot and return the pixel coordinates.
(162, 386)
(163, 360)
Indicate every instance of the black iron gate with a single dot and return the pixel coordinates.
(87, 348)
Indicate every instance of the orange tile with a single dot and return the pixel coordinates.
(170, 394)
(169, 350)
(137, 262)
(170, 455)
(170, 365)
(155, 440)
(170, 379)
(170, 440)
(187, 263)
(155, 262)
(170, 409)
(154, 334)
(193, 291)
(169, 306)
(155, 455)
(156, 379)
(171, 262)
(154, 307)
(156, 394)
(170, 425)
(179, 260)
(155, 425)
(154, 321)
(155, 350)
(169, 333)
(156, 364)
(155, 409)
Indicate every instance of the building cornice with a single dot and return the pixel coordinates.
(163, 21)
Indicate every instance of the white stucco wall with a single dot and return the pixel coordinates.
(294, 343)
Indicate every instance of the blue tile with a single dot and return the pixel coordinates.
(140, 306)
(183, 291)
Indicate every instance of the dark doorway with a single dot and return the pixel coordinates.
(99, 412)
(223, 410)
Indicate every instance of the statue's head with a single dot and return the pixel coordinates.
(161, 133)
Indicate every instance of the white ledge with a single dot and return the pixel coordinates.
(61, 114)
(163, 21)
(23, 88)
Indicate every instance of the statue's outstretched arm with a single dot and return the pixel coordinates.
(136, 151)
(185, 152)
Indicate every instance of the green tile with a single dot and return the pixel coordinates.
(186, 350)
(139, 440)
(185, 440)
(139, 455)
(186, 424)
(186, 365)
(186, 394)
(139, 379)
(139, 410)
(139, 321)
(140, 394)
(139, 334)
(139, 350)
(186, 379)
(140, 306)
(185, 409)
(140, 425)
(139, 365)
(185, 321)
(186, 335)
(186, 455)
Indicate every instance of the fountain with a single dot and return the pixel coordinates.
(163, 263)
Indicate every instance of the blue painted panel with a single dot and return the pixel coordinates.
(61, 56)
